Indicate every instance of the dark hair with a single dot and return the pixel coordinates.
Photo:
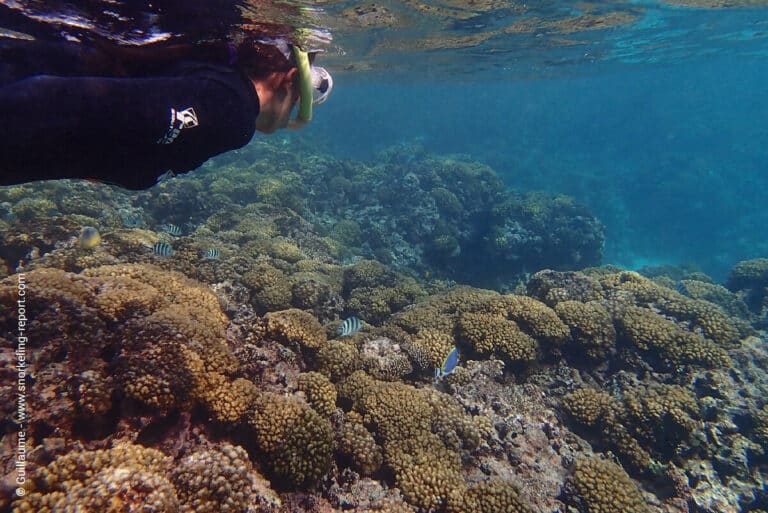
(254, 58)
(257, 59)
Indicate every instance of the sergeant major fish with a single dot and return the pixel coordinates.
(350, 326)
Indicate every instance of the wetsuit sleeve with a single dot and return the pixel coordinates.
(121, 130)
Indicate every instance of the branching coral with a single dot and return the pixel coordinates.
(748, 274)
(429, 347)
(270, 288)
(655, 418)
(660, 415)
(534, 317)
(490, 334)
(338, 360)
(421, 435)
(552, 287)
(214, 481)
(385, 359)
(357, 445)
(297, 328)
(296, 440)
(170, 349)
(604, 487)
(320, 392)
(367, 273)
(653, 334)
(591, 328)
(125, 478)
(587, 406)
(376, 304)
(492, 496)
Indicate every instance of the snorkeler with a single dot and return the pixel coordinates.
(127, 116)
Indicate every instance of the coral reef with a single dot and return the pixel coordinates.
(604, 487)
(170, 351)
(214, 480)
(591, 329)
(749, 281)
(660, 338)
(597, 390)
(127, 477)
(647, 423)
(320, 392)
(357, 445)
(421, 435)
(296, 327)
(134, 478)
(487, 334)
(295, 439)
(492, 496)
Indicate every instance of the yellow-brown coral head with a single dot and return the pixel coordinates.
(605, 487)
(295, 439)
(296, 327)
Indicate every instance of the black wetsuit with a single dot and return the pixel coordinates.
(127, 130)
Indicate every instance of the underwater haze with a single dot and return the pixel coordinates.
(670, 157)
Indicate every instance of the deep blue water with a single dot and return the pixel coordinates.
(657, 121)
(672, 158)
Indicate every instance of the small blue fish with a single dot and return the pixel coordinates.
(449, 364)
(350, 326)
(163, 249)
(210, 254)
(172, 229)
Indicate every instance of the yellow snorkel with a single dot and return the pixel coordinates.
(304, 115)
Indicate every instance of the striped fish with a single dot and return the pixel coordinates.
(350, 326)
(210, 254)
(163, 249)
(172, 229)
